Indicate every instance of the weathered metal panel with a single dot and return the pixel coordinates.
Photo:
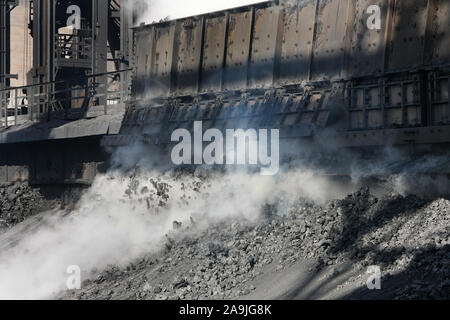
(162, 60)
(206, 113)
(329, 44)
(403, 105)
(142, 60)
(366, 108)
(298, 31)
(439, 37)
(265, 47)
(143, 51)
(408, 34)
(367, 46)
(290, 108)
(374, 113)
(213, 53)
(386, 105)
(224, 114)
(189, 49)
(238, 50)
(440, 99)
(255, 113)
(309, 113)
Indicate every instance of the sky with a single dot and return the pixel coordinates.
(174, 9)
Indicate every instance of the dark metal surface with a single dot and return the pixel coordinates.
(389, 78)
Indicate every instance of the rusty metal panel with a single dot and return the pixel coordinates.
(296, 45)
(213, 54)
(439, 26)
(265, 47)
(189, 49)
(142, 61)
(162, 60)
(367, 46)
(329, 44)
(238, 50)
(143, 51)
(408, 34)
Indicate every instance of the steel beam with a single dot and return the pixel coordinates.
(100, 16)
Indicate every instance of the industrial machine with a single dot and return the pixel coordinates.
(359, 74)
(300, 66)
(74, 92)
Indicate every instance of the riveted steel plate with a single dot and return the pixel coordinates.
(440, 33)
(213, 54)
(238, 50)
(162, 60)
(329, 45)
(143, 40)
(408, 35)
(296, 43)
(189, 48)
(367, 46)
(265, 47)
(143, 51)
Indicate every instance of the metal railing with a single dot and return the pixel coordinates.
(69, 46)
(60, 99)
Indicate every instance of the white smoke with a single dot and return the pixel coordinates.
(129, 211)
(126, 215)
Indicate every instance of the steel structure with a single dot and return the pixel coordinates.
(75, 93)
(76, 72)
(300, 66)
(5, 47)
(311, 68)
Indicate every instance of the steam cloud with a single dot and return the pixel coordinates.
(127, 213)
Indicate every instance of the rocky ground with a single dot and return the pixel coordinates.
(19, 201)
(407, 237)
